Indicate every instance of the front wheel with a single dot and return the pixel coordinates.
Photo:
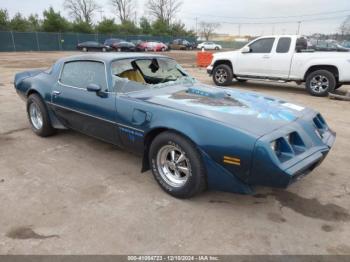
(320, 83)
(177, 165)
(222, 75)
(38, 116)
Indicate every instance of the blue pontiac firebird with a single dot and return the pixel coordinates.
(192, 136)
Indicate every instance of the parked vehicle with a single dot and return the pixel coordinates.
(154, 46)
(92, 46)
(190, 135)
(139, 45)
(181, 44)
(345, 44)
(282, 58)
(209, 46)
(109, 42)
(124, 46)
(329, 47)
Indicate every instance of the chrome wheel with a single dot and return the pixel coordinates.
(35, 116)
(221, 75)
(173, 165)
(319, 84)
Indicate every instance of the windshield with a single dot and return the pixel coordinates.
(131, 75)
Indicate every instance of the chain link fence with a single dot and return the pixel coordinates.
(44, 41)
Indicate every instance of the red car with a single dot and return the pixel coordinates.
(152, 46)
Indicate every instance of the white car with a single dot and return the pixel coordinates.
(209, 46)
(283, 58)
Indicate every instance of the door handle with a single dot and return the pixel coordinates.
(266, 57)
(56, 93)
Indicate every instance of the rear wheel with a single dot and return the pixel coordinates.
(177, 165)
(320, 83)
(104, 49)
(38, 116)
(222, 75)
(85, 49)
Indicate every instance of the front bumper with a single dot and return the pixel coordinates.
(269, 170)
(210, 70)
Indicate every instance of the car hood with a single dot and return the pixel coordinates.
(252, 112)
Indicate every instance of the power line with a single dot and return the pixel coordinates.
(271, 17)
(282, 22)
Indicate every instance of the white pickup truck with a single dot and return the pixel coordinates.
(283, 58)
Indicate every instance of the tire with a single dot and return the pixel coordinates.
(41, 128)
(104, 49)
(320, 83)
(163, 49)
(184, 185)
(216, 48)
(85, 49)
(222, 75)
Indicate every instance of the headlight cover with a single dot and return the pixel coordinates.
(288, 146)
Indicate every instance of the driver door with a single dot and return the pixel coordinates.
(90, 112)
(257, 61)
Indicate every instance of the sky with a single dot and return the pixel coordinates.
(244, 17)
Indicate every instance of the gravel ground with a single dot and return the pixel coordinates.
(71, 194)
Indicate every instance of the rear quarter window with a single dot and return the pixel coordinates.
(82, 73)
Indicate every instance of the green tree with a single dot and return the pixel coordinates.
(4, 19)
(145, 26)
(179, 29)
(19, 23)
(34, 23)
(107, 26)
(54, 22)
(82, 27)
(128, 28)
(160, 28)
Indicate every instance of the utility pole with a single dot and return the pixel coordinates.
(197, 26)
(299, 24)
(101, 13)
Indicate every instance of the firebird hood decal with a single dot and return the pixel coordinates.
(249, 111)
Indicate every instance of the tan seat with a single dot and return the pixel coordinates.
(133, 75)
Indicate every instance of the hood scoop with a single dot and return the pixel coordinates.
(206, 92)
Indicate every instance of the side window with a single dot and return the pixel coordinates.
(82, 73)
(262, 46)
(283, 45)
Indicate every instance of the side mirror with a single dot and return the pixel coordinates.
(245, 50)
(93, 88)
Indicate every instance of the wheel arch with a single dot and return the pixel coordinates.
(331, 68)
(223, 62)
(52, 116)
(33, 91)
(150, 136)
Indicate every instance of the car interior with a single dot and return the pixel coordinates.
(137, 74)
